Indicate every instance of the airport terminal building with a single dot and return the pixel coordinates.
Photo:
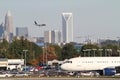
(9, 64)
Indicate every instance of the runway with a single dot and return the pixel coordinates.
(59, 78)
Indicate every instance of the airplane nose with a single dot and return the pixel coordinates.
(63, 67)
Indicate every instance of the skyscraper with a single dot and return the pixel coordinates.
(9, 26)
(53, 36)
(22, 31)
(1, 31)
(47, 36)
(67, 27)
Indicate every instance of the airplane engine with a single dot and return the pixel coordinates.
(117, 69)
(109, 71)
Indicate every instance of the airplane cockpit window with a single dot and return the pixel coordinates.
(68, 62)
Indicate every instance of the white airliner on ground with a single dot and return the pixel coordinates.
(91, 64)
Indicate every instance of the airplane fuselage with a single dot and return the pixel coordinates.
(90, 63)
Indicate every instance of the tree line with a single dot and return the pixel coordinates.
(36, 54)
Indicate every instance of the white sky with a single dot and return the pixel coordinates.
(93, 18)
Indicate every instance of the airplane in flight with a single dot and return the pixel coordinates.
(39, 24)
(103, 65)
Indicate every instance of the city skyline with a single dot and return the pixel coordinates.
(93, 19)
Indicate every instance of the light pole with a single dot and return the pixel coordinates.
(88, 50)
(25, 59)
(100, 52)
(46, 52)
(105, 52)
(118, 51)
(94, 51)
(108, 52)
(84, 51)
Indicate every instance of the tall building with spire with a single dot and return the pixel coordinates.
(8, 27)
(67, 27)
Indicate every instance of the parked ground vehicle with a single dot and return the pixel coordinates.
(21, 74)
(4, 74)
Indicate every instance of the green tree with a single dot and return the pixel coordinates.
(17, 46)
(4, 45)
(68, 51)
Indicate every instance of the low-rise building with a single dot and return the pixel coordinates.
(15, 64)
(3, 63)
(9, 64)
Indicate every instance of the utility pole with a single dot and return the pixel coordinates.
(25, 59)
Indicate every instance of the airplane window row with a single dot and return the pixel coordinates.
(68, 61)
(101, 62)
(87, 62)
(108, 62)
(115, 61)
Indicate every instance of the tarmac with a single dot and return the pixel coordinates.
(59, 78)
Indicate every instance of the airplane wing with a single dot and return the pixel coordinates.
(43, 25)
(35, 22)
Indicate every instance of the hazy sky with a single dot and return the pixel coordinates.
(93, 18)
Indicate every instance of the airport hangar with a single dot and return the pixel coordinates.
(10, 64)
